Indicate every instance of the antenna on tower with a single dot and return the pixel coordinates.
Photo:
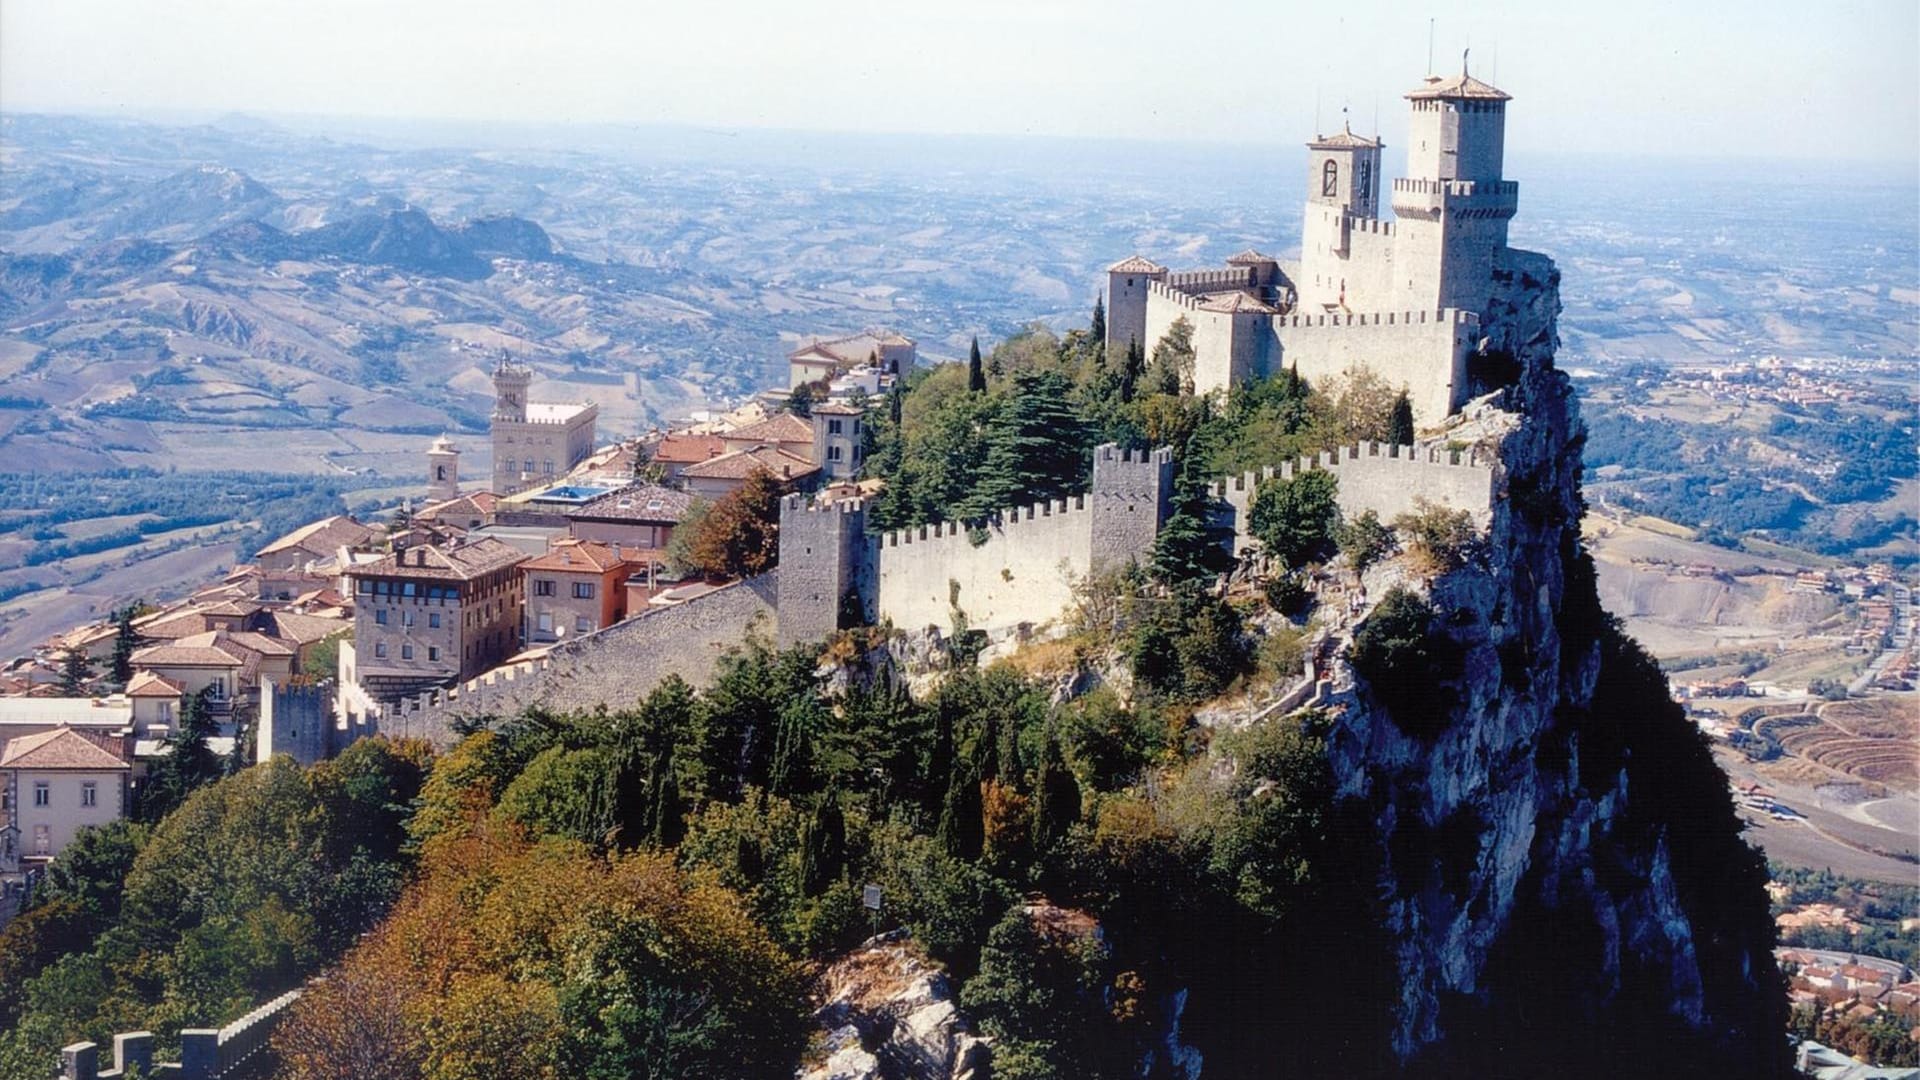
(1463, 59)
(1316, 112)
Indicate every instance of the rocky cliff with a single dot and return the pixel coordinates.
(1562, 877)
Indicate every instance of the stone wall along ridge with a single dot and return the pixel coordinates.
(1387, 479)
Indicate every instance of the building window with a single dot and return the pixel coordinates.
(1329, 179)
(380, 616)
(582, 624)
(89, 794)
(527, 465)
(546, 622)
(380, 649)
(406, 618)
(583, 590)
(433, 620)
(833, 427)
(42, 795)
(543, 586)
(433, 652)
(406, 652)
(833, 453)
(549, 467)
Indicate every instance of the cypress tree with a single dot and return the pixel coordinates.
(962, 832)
(976, 376)
(1098, 329)
(124, 642)
(1400, 423)
(1132, 370)
(1056, 800)
(824, 853)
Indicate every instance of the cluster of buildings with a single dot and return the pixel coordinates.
(570, 539)
(1773, 381)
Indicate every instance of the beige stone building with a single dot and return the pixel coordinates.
(575, 588)
(535, 443)
(52, 785)
(824, 358)
(426, 616)
(838, 439)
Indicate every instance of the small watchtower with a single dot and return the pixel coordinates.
(443, 470)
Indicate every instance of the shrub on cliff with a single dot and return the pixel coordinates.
(1296, 518)
(1407, 663)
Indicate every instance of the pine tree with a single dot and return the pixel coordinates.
(1173, 358)
(823, 856)
(1057, 798)
(1035, 446)
(976, 376)
(1400, 423)
(1188, 547)
(76, 671)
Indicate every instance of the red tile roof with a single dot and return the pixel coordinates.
(576, 557)
(61, 748)
(677, 449)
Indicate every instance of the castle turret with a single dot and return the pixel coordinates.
(1343, 184)
(1453, 206)
(443, 470)
(825, 573)
(1127, 282)
(1132, 493)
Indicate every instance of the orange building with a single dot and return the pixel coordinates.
(577, 587)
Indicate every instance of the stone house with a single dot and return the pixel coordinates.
(784, 431)
(426, 616)
(823, 358)
(575, 588)
(716, 477)
(156, 701)
(838, 439)
(52, 785)
(318, 541)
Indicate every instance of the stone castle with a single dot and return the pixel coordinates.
(1414, 300)
(1405, 298)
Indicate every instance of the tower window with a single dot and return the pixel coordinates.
(1329, 179)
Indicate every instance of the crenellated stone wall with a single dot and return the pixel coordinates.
(616, 666)
(238, 1051)
(1386, 479)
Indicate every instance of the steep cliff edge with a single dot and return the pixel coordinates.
(1562, 875)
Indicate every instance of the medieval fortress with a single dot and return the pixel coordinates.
(1412, 299)
(1406, 297)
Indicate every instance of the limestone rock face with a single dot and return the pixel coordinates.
(1542, 834)
(890, 1015)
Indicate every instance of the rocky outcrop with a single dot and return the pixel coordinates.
(889, 1014)
(1527, 850)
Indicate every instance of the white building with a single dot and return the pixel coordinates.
(51, 786)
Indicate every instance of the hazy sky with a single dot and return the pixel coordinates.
(1668, 77)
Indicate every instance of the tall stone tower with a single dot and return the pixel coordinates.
(510, 384)
(1343, 184)
(443, 470)
(1127, 282)
(1453, 206)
